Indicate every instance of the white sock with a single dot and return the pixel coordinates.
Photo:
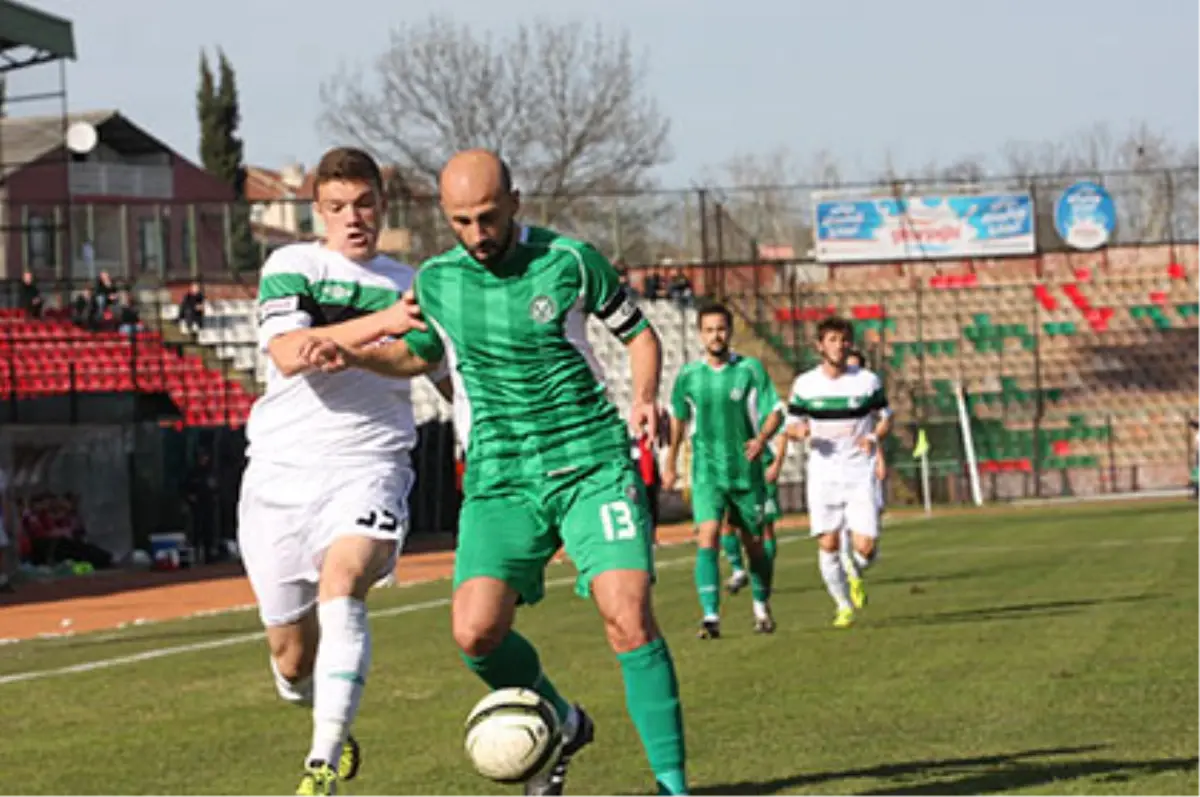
(343, 658)
(861, 563)
(760, 610)
(835, 577)
(299, 693)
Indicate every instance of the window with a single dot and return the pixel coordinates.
(185, 240)
(153, 249)
(39, 242)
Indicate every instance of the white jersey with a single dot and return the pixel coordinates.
(316, 418)
(839, 411)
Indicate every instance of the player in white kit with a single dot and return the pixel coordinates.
(843, 413)
(323, 507)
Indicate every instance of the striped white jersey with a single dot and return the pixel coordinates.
(840, 410)
(317, 418)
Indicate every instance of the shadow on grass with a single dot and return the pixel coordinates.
(919, 580)
(988, 774)
(1016, 611)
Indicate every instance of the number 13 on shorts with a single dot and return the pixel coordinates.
(618, 521)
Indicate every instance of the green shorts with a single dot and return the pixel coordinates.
(743, 506)
(771, 511)
(599, 514)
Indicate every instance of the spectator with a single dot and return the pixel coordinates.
(57, 532)
(191, 310)
(632, 291)
(653, 285)
(679, 289)
(646, 462)
(83, 309)
(31, 295)
(105, 292)
(5, 582)
(128, 321)
(200, 494)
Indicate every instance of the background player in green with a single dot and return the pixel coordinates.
(547, 453)
(723, 396)
(773, 457)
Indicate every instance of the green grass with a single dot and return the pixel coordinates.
(1038, 651)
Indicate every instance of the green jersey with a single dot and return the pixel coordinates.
(529, 393)
(725, 407)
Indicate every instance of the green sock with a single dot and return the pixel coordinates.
(762, 570)
(514, 662)
(732, 547)
(769, 547)
(652, 697)
(707, 575)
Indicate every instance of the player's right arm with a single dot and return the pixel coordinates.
(287, 309)
(418, 351)
(681, 413)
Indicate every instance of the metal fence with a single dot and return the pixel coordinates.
(178, 241)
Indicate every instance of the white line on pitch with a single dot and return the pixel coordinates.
(158, 653)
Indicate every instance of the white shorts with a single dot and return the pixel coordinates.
(289, 516)
(847, 506)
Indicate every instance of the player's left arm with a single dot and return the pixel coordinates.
(606, 298)
(878, 403)
(797, 413)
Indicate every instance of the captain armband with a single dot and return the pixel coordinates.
(620, 315)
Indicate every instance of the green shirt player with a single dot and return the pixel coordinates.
(725, 398)
(772, 459)
(547, 453)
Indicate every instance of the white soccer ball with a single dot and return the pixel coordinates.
(512, 735)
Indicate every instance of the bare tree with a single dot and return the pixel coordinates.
(1151, 178)
(768, 197)
(565, 105)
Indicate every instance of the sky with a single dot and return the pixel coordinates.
(914, 81)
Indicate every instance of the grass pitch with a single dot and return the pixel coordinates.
(1036, 651)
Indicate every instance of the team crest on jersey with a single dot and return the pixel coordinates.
(336, 293)
(542, 309)
(736, 394)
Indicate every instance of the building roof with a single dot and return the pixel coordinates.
(268, 185)
(25, 139)
(32, 37)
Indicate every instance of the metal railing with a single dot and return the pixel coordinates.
(188, 240)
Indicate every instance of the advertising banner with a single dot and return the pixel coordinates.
(923, 227)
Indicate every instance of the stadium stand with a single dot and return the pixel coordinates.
(1070, 362)
(52, 356)
(231, 327)
(1100, 349)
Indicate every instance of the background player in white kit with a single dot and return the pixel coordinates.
(323, 508)
(843, 412)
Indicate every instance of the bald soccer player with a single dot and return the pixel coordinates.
(548, 452)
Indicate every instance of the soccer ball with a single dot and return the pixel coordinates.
(512, 735)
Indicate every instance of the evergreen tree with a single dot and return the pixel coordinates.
(221, 151)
